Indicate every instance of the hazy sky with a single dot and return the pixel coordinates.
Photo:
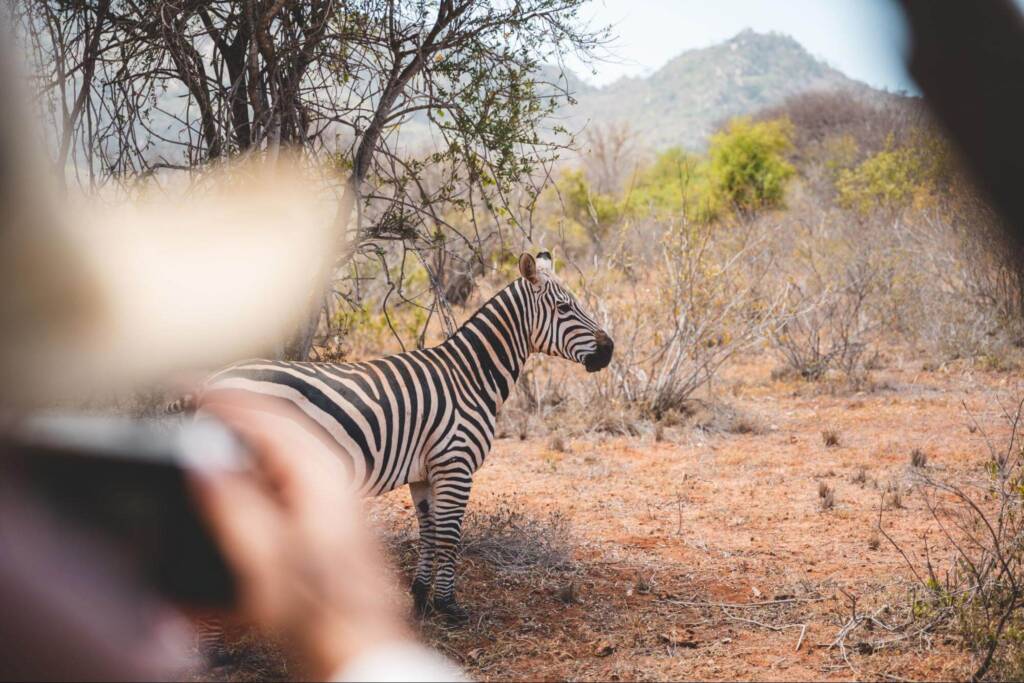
(862, 38)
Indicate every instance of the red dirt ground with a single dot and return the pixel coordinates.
(705, 556)
(708, 555)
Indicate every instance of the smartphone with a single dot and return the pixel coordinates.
(126, 481)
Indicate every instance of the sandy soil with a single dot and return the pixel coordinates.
(708, 555)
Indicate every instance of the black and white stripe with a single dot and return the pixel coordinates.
(426, 418)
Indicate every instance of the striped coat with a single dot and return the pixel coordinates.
(426, 418)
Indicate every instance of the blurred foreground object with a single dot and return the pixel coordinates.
(129, 292)
(968, 59)
(117, 293)
(187, 273)
(71, 611)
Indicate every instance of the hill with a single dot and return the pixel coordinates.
(681, 103)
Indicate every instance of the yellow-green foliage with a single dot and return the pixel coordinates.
(591, 209)
(369, 332)
(890, 178)
(746, 169)
(896, 177)
(840, 153)
(586, 203)
(676, 184)
(748, 163)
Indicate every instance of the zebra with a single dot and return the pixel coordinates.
(427, 417)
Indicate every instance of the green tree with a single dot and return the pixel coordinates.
(896, 176)
(594, 211)
(169, 84)
(676, 183)
(749, 170)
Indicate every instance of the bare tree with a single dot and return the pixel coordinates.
(612, 155)
(137, 86)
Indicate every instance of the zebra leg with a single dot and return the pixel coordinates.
(422, 499)
(450, 497)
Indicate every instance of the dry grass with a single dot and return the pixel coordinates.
(918, 458)
(557, 443)
(507, 538)
(826, 496)
(727, 419)
(830, 437)
(247, 657)
(892, 496)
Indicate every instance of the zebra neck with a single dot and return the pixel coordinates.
(495, 342)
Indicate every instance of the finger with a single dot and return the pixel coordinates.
(258, 424)
(272, 427)
(290, 453)
(240, 515)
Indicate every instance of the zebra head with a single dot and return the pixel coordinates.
(559, 326)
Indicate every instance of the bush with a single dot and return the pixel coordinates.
(510, 539)
(980, 593)
(828, 330)
(676, 184)
(594, 211)
(748, 163)
(699, 298)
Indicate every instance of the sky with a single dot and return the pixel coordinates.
(864, 39)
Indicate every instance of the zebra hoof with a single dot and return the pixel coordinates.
(452, 612)
(420, 600)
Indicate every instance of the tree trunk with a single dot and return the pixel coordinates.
(301, 344)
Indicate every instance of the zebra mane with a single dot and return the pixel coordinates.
(483, 306)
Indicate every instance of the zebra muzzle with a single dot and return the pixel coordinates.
(602, 356)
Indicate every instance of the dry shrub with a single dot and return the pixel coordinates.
(249, 657)
(557, 443)
(979, 591)
(826, 496)
(680, 312)
(617, 423)
(535, 403)
(860, 477)
(821, 116)
(963, 294)
(826, 329)
(510, 539)
(723, 418)
(918, 458)
(892, 496)
(569, 593)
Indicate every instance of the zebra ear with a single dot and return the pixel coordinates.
(528, 269)
(544, 262)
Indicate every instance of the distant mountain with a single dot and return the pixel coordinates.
(683, 101)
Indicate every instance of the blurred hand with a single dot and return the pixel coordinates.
(308, 575)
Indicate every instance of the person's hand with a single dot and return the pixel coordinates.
(307, 573)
